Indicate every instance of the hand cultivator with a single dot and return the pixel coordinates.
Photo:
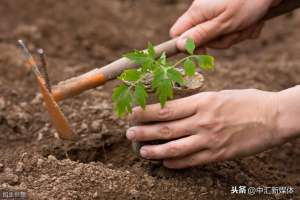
(99, 76)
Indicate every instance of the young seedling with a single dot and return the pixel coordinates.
(164, 76)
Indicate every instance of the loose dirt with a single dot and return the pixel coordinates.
(80, 35)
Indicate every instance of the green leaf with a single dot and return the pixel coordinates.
(175, 76)
(130, 75)
(138, 57)
(206, 62)
(151, 51)
(140, 95)
(147, 65)
(164, 91)
(189, 67)
(158, 75)
(190, 46)
(122, 98)
(162, 85)
(163, 58)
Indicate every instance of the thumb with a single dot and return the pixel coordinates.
(190, 18)
(201, 34)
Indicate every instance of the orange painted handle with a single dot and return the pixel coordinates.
(75, 86)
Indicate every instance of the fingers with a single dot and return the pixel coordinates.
(189, 19)
(201, 33)
(163, 131)
(176, 109)
(175, 148)
(197, 159)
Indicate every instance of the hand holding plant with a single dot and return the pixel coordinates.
(210, 127)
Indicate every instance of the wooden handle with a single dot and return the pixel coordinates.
(96, 77)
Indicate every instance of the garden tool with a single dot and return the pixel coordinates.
(99, 76)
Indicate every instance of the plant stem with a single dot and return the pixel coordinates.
(183, 59)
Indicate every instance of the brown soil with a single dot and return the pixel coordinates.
(80, 35)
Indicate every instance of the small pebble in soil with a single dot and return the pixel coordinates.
(20, 167)
(110, 165)
(2, 103)
(133, 192)
(149, 180)
(14, 179)
(95, 195)
(104, 128)
(1, 167)
(39, 162)
(37, 99)
(84, 126)
(203, 189)
(52, 158)
(77, 170)
(43, 177)
(96, 125)
(105, 113)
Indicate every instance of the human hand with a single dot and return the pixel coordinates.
(221, 23)
(208, 127)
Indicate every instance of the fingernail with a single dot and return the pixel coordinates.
(130, 134)
(181, 42)
(144, 152)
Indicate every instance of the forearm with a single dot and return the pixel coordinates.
(289, 113)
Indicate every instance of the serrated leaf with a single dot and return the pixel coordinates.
(138, 57)
(189, 67)
(122, 99)
(175, 76)
(147, 65)
(151, 51)
(190, 46)
(206, 62)
(140, 95)
(164, 91)
(163, 58)
(158, 75)
(130, 75)
(162, 85)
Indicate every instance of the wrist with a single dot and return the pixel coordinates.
(288, 110)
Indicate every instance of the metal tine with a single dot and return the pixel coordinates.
(43, 68)
(29, 58)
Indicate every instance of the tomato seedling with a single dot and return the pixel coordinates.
(163, 77)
